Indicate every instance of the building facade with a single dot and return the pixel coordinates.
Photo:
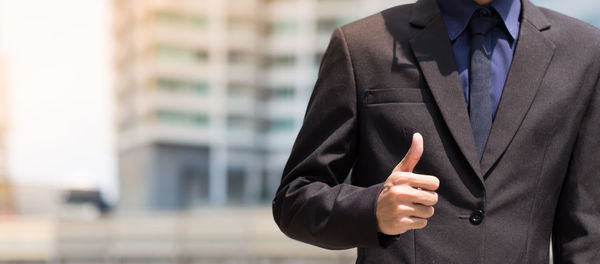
(211, 94)
(6, 197)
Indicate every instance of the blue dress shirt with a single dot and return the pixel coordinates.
(500, 41)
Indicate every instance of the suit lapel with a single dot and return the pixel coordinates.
(433, 51)
(532, 56)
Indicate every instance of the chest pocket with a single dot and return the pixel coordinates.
(396, 95)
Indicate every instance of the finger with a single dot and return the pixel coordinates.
(425, 182)
(403, 194)
(414, 210)
(412, 157)
(424, 197)
(421, 181)
(421, 211)
(418, 223)
(410, 222)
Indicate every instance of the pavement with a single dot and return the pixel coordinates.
(210, 235)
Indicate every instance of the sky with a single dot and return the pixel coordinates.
(587, 10)
(57, 55)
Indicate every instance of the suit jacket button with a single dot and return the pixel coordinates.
(477, 217)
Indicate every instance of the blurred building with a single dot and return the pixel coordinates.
(6, 200)
(211, 93)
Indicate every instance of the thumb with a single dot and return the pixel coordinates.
(412, 157)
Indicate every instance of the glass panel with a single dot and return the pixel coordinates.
(199, 119)
(281, 61)
(236, 90)
(173, 17)
(283, 27)
(237, 122)
(174, 85)
(168, 16)
(182, 53)
(280, 92)
(178, 117)
(236, 180)
(281, 124)
(240, 57)
(199, 21)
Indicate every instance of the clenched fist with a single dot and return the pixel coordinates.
(407, 199)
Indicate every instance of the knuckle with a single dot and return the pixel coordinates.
(401, 194)
(394, 175)
(410, 196)
(403, 209)
(395, 191)
(405, 221)
(401, 177)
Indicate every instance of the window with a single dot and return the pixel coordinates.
(200, 21)
(168, 16)
(193, 186)
(174, 85)
(327, 25)
(199, 119)
(236, 182)
(282, 27)
(281, 124)
(183, 118)
(281, 61)
(239, 57)
(238, 90)
(181, 53)
(170, 51)
(280, 92)
(173, 17)
(201, 55)
(169, 116)
(239, 122)
(199, 87)
(240, 24)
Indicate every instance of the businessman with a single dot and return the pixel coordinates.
(471, 133)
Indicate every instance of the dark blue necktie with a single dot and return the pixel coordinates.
(480, 72)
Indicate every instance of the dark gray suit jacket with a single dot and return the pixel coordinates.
(392, 74)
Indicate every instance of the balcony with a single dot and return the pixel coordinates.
(181, 134)
(181, 35)
(184, 101)
(183, 69)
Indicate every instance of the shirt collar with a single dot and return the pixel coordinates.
(457, 13)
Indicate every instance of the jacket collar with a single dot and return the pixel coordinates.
(457, 14)
(432, 49)
(425, 10)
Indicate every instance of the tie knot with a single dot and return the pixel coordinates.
(482, 21)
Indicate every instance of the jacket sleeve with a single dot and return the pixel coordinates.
(312, 203)
(576, 234)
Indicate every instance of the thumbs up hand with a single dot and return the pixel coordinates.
(407, 199)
